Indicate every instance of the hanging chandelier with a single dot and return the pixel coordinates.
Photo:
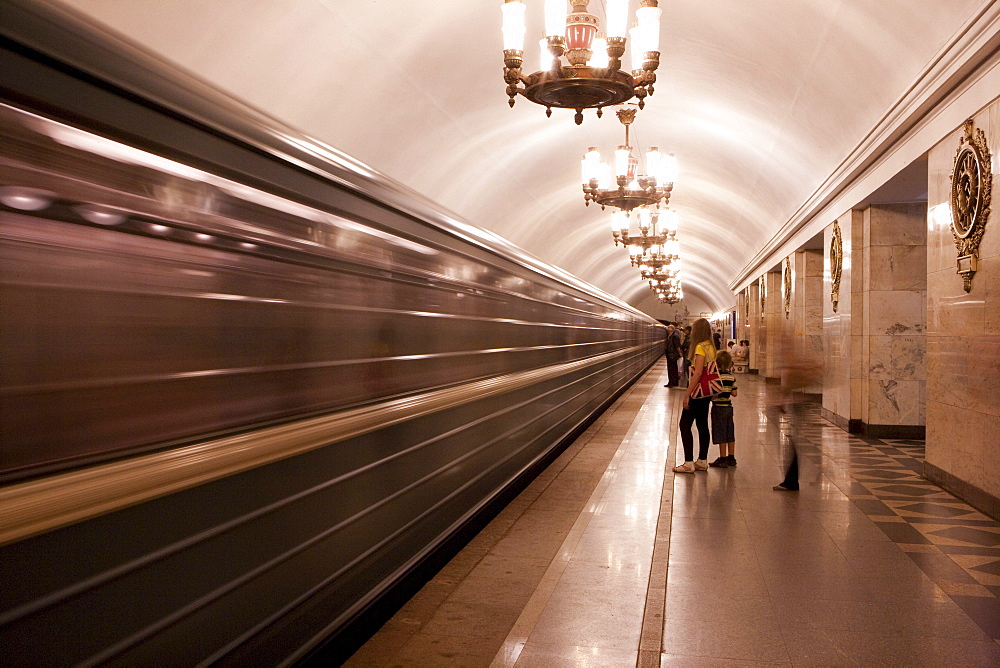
(654, 227)
(667, 289)
(592, 75)
(670, 294)
(623, 186)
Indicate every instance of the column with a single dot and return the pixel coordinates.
(963, 337)
(807, 305)
(843, 311)
(894, 338)
(774, 325)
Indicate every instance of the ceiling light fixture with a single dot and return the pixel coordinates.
(593, 77)
(622, 186)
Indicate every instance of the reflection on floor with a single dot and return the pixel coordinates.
(610, 559)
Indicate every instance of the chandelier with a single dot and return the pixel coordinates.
(669, 292)
(653, 248)
(649, 230)
(592, 75)
(622, 186)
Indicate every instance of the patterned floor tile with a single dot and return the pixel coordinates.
(952, 543)
(934, 509)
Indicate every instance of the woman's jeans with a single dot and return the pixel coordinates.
(697, 413)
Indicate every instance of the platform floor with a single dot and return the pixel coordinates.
(610, 559)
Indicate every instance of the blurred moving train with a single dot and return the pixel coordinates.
(252, 391)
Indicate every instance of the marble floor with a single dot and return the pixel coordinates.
(610, 559)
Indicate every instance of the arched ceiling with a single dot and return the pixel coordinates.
(760, 100)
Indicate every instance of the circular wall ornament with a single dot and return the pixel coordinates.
(836, 264)
(786, 280)
(971, 193)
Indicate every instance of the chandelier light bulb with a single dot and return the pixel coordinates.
(555, 18)
(644, 221)
(607, 178)
(545, 59)
(666, 169)
(590, 165)
(653, 156)
(600, 58)
(617, 18)
(670, 220)
(649, 28)
(513, 25)
(635, 47)
(622, 155)
(620, 221)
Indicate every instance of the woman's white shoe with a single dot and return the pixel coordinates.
(686, 467)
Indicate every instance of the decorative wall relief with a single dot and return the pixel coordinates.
(786, 286)
(836, 264)
(746, 306)
(971, 192)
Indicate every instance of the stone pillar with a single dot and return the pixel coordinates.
(843, 321)
(963, 337)
(754, 330)
(774, 324)
(807, 305)
(893, 337)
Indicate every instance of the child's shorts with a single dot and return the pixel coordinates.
(723, 429)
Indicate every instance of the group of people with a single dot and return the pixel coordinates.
(694, 351)
(694, 348)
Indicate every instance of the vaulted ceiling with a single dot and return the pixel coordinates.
(760, 100)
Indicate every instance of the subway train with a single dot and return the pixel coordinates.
(253, 392)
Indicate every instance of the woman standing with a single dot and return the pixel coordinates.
(701, 352)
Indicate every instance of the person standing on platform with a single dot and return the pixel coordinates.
(702, 352)
(685, 349)
(723, 425)
(800, 368)
(673, 353)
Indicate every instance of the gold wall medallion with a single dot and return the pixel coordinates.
(971, 192)
(836, 264)
(786, 280)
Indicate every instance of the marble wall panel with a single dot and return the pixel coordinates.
(894, 402)
(989, 278)
(899, 357)
(892, 225)
(950, 310)
(896, 312)
(853, 229)
(859, 398)
(894, 301)
(908, 268)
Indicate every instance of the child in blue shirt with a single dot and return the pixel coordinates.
(723, 427)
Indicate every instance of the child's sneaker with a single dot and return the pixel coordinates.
(731, 460)
(720, 462)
